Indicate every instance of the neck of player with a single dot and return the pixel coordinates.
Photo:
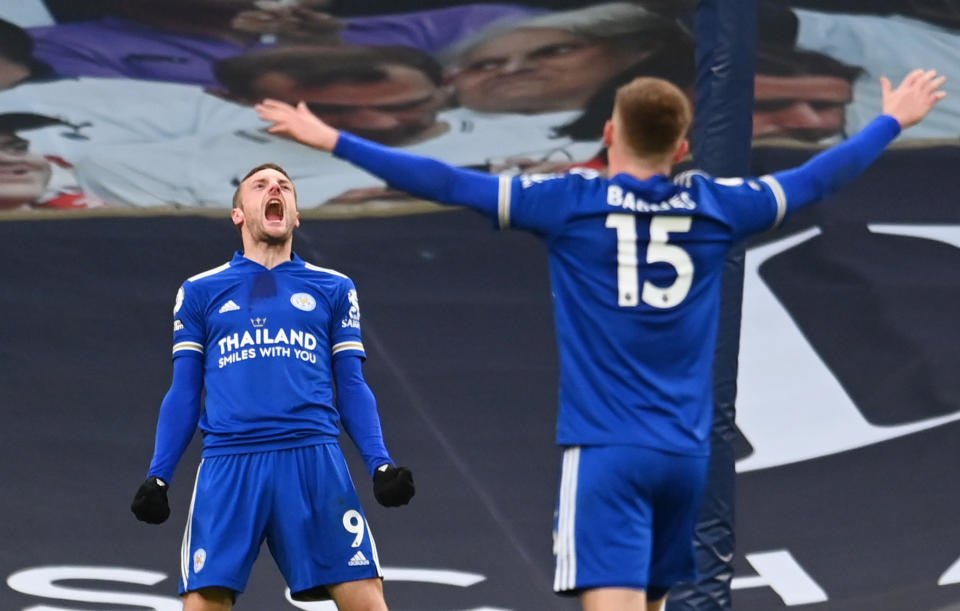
(267, 254)
(641, 169)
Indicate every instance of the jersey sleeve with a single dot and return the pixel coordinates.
(750, 205)
(177, 421)
(421, 176)
(188, 322)
(537, 202)
(345, 335)
(358, 412)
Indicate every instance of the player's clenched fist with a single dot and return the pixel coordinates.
(150, 502)
(393, 486)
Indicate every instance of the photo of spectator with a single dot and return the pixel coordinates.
(885, 46)
(388, 94)
(558, 61)
(29, 180)
(520, 87)
(17, 61)
(801, 95)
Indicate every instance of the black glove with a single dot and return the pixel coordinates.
(393, 486)
(150, 503)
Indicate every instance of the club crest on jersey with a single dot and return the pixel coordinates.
(303, 301)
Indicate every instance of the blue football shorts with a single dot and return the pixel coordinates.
(300, 500)
(625, 518)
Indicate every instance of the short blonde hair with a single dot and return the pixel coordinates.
(654, 115)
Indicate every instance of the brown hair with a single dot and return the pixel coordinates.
(319, 65)
(654, 115)
(262, 166)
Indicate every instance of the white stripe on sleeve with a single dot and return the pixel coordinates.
(196, 347)
(503, 202)
(779, 195)
(347, 346)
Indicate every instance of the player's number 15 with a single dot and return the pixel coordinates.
(658, 251)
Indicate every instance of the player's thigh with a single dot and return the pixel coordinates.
(613, 599)
(208, 599)
(225, 526)
(676, 507)
(656, 605)
(604, 523)
(319, 534)
(362, 595)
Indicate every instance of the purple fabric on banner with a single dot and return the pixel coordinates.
(432, 30)
(116, 47)
(123, 48)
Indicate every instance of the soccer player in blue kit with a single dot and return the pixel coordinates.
(635, 265)
(271, 337)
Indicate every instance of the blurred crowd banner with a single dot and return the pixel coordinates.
(107, 103)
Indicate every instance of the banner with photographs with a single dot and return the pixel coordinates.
(108, 103)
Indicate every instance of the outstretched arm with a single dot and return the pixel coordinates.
(420, 176)
(826, 172)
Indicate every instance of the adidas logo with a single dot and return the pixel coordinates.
(230, 306)
(358, 560)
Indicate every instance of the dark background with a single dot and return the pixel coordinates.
(458, 329)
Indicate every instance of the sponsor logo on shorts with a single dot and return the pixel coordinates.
(358, 560)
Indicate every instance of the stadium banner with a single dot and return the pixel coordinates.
(149, 103)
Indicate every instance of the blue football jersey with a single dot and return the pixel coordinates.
(636, 270)
(267, 338)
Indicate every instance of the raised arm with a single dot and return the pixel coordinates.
(826, 172)
(420, 176)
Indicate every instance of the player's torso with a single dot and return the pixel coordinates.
(636, 286)
(267, 346)
(640, 255)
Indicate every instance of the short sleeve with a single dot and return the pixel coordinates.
(345, 334)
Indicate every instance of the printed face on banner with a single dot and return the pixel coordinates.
(23, 175)
(535, 70)
(809, 107)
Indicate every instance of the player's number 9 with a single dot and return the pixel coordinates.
(353, 522)
(658, 251)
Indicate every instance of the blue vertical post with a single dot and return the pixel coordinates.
(725, 32)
